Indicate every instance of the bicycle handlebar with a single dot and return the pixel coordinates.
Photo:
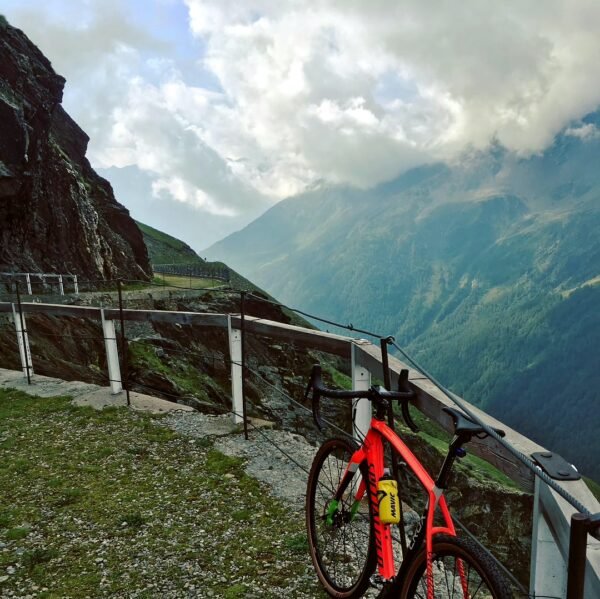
(374, 393)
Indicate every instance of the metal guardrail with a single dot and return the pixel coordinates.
(552, 514)
(42, 278)
(192, 270)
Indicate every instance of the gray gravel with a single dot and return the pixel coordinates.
(286, 477)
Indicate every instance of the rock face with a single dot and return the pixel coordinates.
(56, 214)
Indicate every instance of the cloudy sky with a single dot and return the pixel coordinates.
(203, 113)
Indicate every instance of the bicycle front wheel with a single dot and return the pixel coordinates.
(460, 569)
(340, 533)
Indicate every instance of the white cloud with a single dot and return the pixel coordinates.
(161, 129)
(341, 91)
(587, 131)
(182, 191)
(302, 80)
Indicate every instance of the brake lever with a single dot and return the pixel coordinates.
(408, 418)
(315, 377)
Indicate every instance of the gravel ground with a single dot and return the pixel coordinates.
(118, 503)
(264, 460)
(262, 452)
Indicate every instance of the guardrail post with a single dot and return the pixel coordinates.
(577, 550)
(28, 279)
(124, 347)
(60, 285)
(75, 284)
(243, 359)
(361, 409)
(23, 341)
(548, 573)
(235, 353)
(112, 354)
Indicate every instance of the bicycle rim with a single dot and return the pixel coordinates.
(460, 570)
(340, 534)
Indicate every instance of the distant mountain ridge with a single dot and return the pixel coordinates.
(487, 270)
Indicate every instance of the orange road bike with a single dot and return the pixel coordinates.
(349, 538)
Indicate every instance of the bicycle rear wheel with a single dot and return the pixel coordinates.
(340, 534)
(480, 577)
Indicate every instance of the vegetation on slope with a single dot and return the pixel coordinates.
(165, 249)
(111, 503)
(494, 291)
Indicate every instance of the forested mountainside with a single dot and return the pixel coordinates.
(56, 213)
(487, 270)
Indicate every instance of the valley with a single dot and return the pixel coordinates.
(495, 293)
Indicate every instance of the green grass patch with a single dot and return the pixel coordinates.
(113, 503)
(187, 282)
(181, 373)
(242, 515)
(36, 557)
(340, 380)
(168, 249)
(297, 543)
(14, 534)
(235, 591)
(219, 463)
(133, 519)
(593, 486)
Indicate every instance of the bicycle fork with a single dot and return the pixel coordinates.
(372, 453)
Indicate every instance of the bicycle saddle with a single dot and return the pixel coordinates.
(463, 424)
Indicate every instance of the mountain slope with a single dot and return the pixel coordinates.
(486, 270)
(164, 249)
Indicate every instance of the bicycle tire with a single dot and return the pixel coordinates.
(342, 545)
(482, 577)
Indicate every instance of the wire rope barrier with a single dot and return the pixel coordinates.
(460, 403)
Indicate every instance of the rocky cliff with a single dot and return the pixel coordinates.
(56, 213)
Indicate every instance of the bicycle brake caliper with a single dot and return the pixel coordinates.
(354, 509)
(331, 510)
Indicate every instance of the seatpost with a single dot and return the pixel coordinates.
(455, 450)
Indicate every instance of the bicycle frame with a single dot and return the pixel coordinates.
(372, 452)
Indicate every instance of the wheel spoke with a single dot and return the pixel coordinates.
(341, 548)
(460, 569)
